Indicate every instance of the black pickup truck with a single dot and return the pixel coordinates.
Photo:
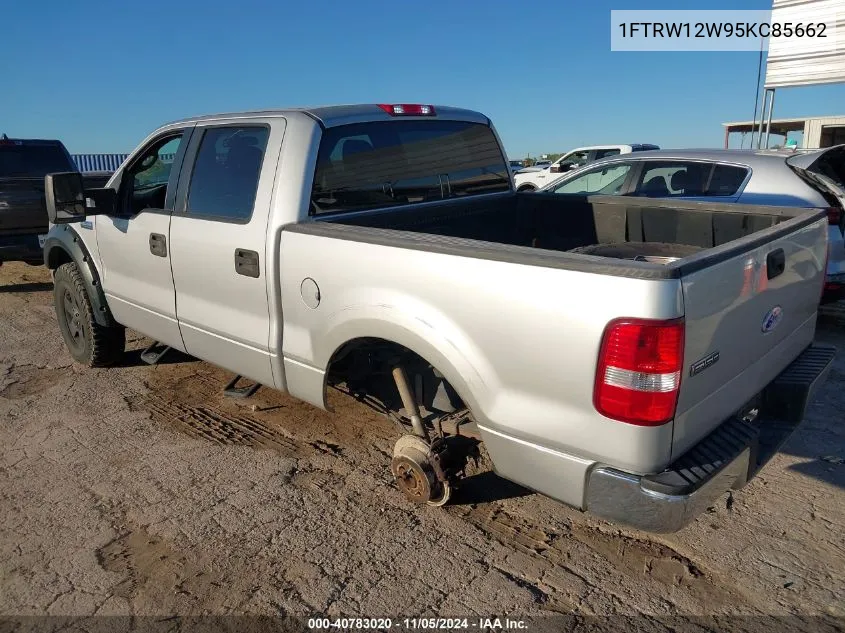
(23, 216)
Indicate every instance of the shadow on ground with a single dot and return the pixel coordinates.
(132, 358)
(487, 487)
(27, 287)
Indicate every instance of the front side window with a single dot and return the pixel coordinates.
(151, 173)
(154, 168)
(605, 153)
(389, 163)
(607, 180)
(573, 160)
(225, 177)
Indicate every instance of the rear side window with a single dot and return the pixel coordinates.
(24, 159)
(389, 163)
(225, 177)
(726, 180)
(664, 179)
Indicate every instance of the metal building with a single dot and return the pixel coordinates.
(98, 162)
(823, 131)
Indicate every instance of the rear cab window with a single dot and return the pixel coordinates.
(32, 159)
(391, 163)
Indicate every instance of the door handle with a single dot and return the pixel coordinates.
(246, 263)
(775, 263)
(158, 245)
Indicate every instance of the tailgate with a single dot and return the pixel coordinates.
(745, 321)
(22, 207)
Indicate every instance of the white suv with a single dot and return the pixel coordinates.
(533, 179)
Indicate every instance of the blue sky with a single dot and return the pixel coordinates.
(100, 77)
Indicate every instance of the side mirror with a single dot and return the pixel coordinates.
(68, 200)
(555, 168)
(65, 197)
(101, 201)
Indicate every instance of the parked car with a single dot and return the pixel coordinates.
(515, 165)
(533, 178)
(383, 250)
(806, 179)
(23, 217)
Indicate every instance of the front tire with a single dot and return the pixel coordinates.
(87, 341)
(526, 189)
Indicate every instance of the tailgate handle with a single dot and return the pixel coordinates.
(775, 263)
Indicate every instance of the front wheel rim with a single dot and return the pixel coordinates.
(73, 319)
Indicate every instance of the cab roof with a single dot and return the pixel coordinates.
(329, 116)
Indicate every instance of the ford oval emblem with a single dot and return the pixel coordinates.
(772, 318)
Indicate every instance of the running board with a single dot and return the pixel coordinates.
(231, 391)
(152, 355)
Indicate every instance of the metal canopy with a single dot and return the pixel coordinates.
(807, 60)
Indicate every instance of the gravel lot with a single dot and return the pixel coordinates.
(142, 491)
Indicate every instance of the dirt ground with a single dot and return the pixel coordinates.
(140, 490)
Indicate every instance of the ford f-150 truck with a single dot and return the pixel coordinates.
(634, 358)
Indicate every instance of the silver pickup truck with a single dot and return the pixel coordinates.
(634, 358)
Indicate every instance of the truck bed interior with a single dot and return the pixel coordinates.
(625, 228)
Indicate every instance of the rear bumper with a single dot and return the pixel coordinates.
(725, 459)
(834, 287)
(21, 248)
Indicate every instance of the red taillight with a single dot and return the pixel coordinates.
(639, 371)
(834, 215)
(407, 109)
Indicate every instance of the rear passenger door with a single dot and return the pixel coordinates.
(218, 237)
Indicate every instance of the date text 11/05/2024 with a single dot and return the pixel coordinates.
(723, 29)
(439, 624)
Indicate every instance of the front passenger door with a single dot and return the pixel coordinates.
(134, 242)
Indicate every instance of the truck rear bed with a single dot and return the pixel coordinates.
(750, 276)
(562, 223)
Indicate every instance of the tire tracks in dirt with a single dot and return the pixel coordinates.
(187, 397)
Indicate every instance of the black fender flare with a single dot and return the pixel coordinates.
(63, 245)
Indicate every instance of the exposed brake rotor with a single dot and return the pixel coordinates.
(415, 473)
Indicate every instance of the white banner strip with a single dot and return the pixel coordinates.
(728, 30)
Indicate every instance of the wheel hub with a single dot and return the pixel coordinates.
(72, 315)
(412, 478)
(415, 476)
